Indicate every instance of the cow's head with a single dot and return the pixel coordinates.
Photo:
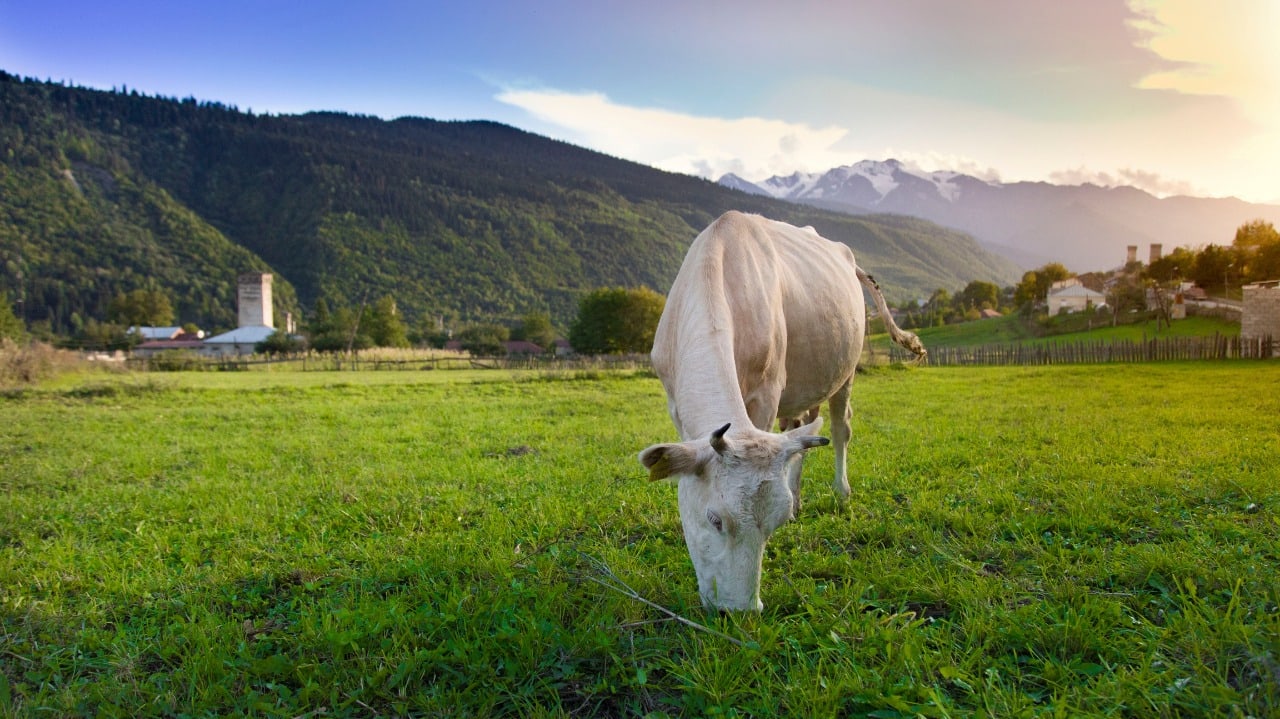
(735, 490)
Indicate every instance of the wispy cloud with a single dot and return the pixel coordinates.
(1141, 179)
(704, 146)
(751, 147)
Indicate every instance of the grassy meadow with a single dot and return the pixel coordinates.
(1012, 329)
(1049, 541)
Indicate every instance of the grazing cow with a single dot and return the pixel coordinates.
(764, 321)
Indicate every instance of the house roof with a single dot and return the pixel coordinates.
(157, 333)
(170, 345)
(512, 347)
(522, 347)
(243, 335)
(1076, 291)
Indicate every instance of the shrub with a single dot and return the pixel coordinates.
(27, 364)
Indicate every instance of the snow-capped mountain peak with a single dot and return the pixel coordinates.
(866, 183)
(1083, 226)
(793, 186)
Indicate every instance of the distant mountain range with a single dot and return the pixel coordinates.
(1086, 227)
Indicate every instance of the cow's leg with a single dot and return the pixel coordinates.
(840, 432)
(786, 424)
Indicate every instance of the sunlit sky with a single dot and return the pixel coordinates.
(1172, 96)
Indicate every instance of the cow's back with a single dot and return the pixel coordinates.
(777, 308)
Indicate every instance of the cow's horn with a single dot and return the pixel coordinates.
(717, 439)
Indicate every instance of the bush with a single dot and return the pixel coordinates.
(176, 361)
(27, 364)
(616, 321)
(280, 343)
(484, 340)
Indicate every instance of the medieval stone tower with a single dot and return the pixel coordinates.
(254, 300)
(1261, 316)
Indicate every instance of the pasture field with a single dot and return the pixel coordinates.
(1044, 541)
(1012, 329)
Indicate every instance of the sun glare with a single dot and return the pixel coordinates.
(1226, 48)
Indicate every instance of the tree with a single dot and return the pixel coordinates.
(1172, 267)
(1211, 266)
(979, 295)
(97, 335)
(337, 330)
(1123, 295)
(1257, 245)
(11, 328)
(616, 320)
(1266, 264)
(484, 340)
(536, 328)
(1035, 284)
(321, 318)
(939, 302)
(280, 343)
(1253, 236)
(1024, 293)
(141, 308)
(383, 324)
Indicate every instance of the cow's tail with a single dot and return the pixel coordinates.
(906, 340)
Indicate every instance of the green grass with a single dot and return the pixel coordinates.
(996, 330)
(1012, 329)
(1057, 541)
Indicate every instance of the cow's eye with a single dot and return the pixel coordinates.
(715, 520)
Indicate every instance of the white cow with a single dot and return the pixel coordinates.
(764, 321)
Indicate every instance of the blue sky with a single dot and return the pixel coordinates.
(1174, 96)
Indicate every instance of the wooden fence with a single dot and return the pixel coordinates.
(315, 362)
(1217, 347)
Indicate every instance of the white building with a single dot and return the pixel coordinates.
(253, 300)
(1074, 298)
(239, 341)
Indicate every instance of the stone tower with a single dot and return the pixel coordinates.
(1261, 315)
(254, 300)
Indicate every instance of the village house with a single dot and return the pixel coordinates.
(149, 334)
(1069, 296)
(177, 342)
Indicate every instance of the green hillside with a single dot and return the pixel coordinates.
(105, 192)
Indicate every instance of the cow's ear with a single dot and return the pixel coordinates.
(670, 460)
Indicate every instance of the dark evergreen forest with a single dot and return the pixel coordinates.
(104, 192)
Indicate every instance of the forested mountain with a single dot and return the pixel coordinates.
(105, 192)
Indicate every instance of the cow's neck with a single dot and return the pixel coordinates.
(707, 394)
